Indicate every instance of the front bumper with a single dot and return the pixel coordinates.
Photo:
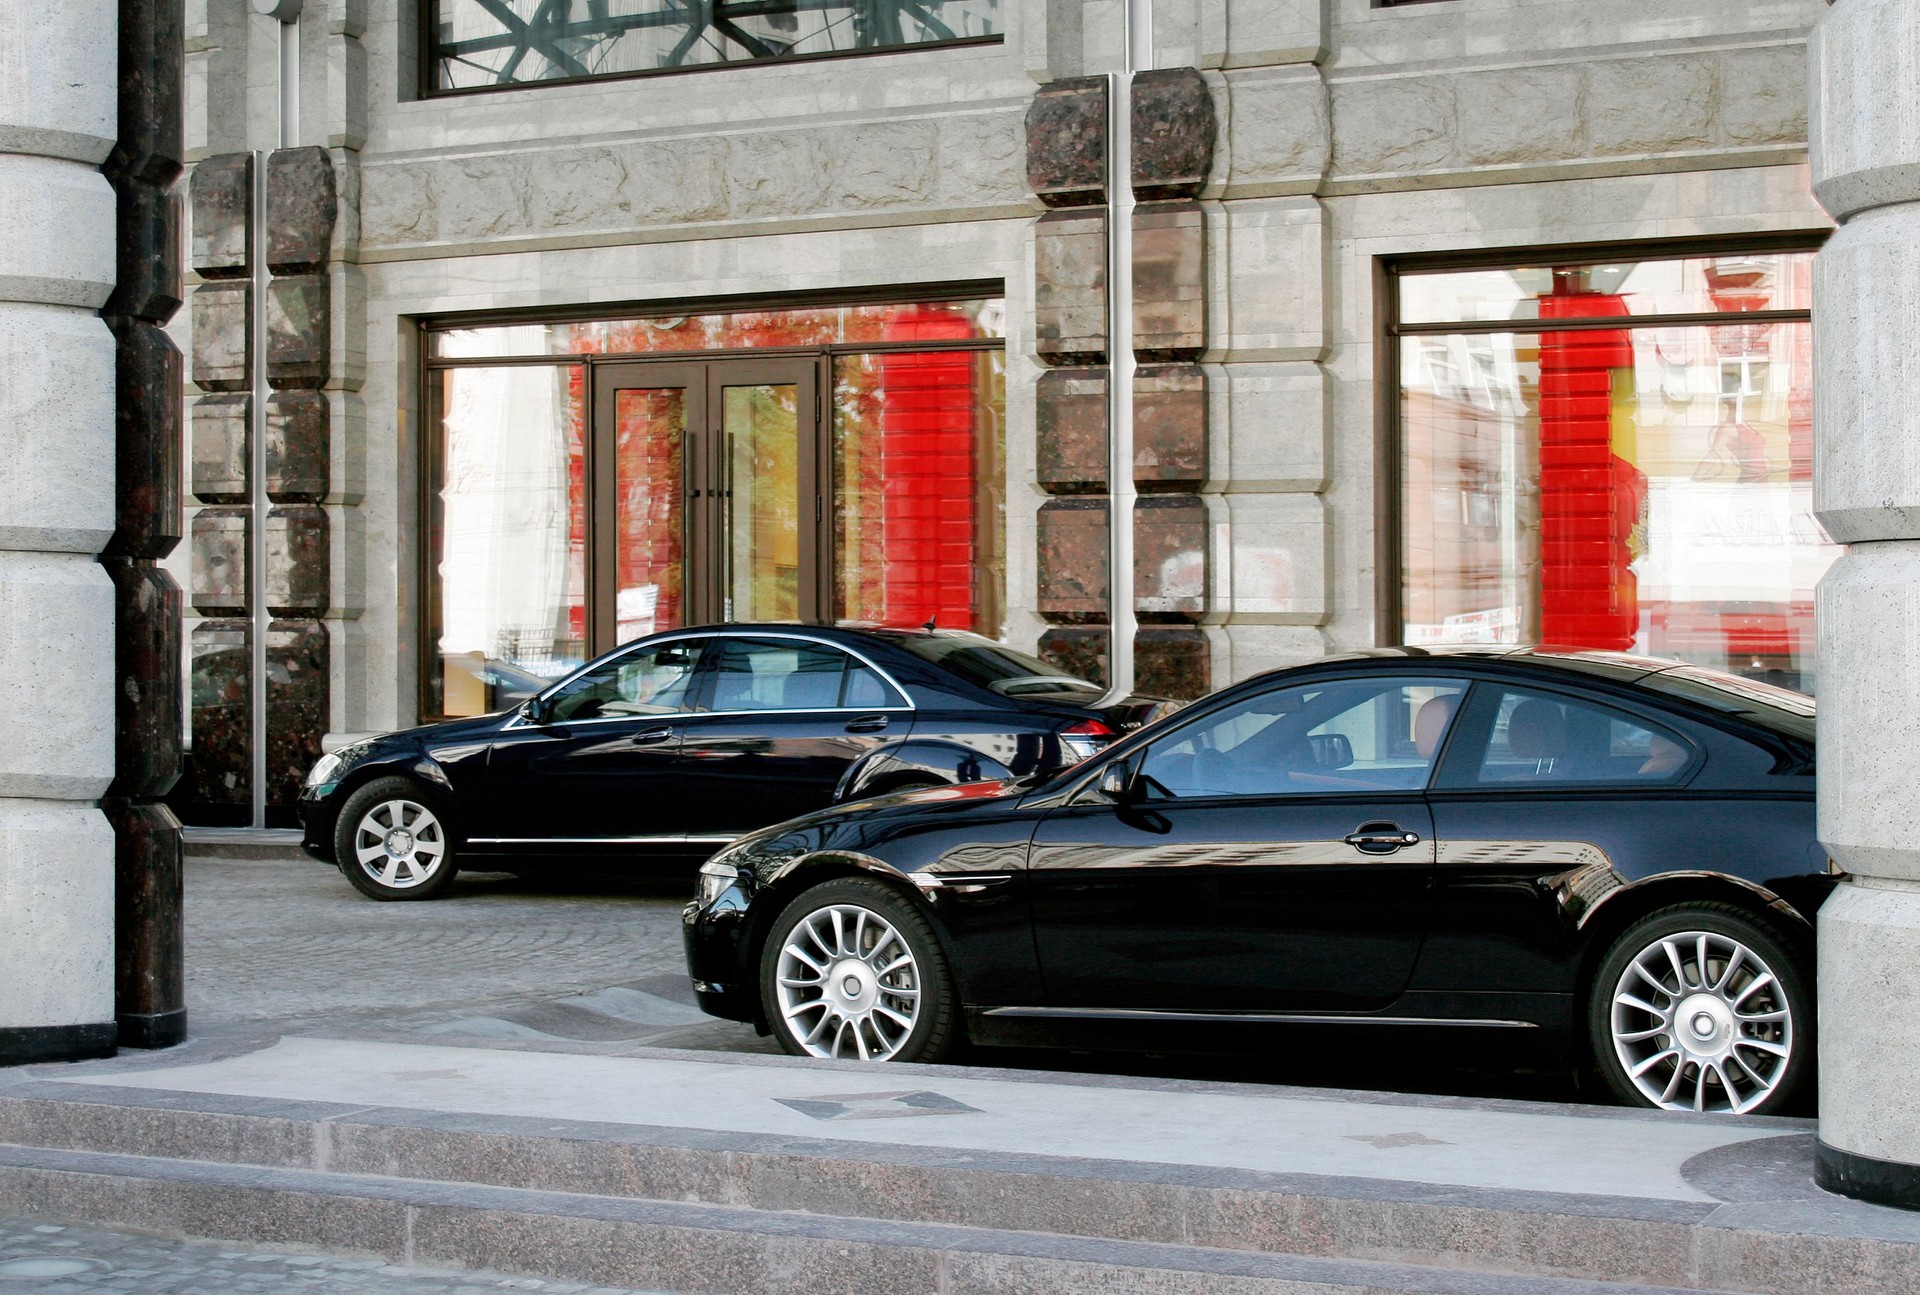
(714, 935)
(318, 809)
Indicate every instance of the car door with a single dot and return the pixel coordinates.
(785, 716)
(601, 764)
(1272, 855)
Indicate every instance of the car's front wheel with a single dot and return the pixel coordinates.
(1704, 1007)
(393, 841)
(851, 969)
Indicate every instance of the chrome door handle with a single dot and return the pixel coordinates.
(1381, 838)
(651, 737)
(867, 724)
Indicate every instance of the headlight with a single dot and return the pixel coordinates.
(715, 876)
(324, 768)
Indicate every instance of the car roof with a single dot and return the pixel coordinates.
(1619, 666)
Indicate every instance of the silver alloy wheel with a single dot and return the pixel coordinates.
(848, 984)
(400, 844)
(1701, 1023)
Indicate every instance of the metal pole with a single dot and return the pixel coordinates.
(257, 494)
(290, 81)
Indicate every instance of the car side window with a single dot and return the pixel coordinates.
(792, 674)
(1344, 735)
(657, 680)
(1544, 739)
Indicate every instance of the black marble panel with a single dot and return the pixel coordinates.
(222, 336)
(297, 323)
(1071, 428)
(1173, 131)
(150, 981)
(220, 560)
(147, 266)
(1078, 649)
(1067, 142)
(220, 195)
(222, 705)
(297, 447)
(1169, 558)
(297, 704)
(301, 208)
(1073, 559)
(297, 560)
(147, 607)
(1169, 427)
(222, 442)
(1175, 663)
(152, 60)
(147, 386)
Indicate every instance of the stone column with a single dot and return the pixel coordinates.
(1865, 147)
(57, 510)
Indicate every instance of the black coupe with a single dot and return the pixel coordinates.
(1613, 851)
(676, 744)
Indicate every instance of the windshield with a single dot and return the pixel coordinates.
(986, 663)
(1774, 708)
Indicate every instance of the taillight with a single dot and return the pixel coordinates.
(1084, 738)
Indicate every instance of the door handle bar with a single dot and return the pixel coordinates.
(651, 737)
(867, 724)
(1382, 838)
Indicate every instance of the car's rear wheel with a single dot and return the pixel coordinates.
(852, 970)
(1704, 1007)
(394, 840)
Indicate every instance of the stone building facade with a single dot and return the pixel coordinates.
(1302, 159)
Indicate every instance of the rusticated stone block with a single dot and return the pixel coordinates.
(150, 979)
(1174, 663)
(152, 55)
(1067, 142)
(220, 561)
(222, 690)
(222, 439)
(147, 380)
(301, 208)
(297, 673)
(1071, 431)
(147, 605)
(220, 194)
(148, 255)
(222, 336)
(297, 447)
(1073, 549)
(1169, 427)
(1079, 650)
(1070, 287)
(297, 339)
(297, 560)
(1173, 132)
(1169, 281)
(1169, 558)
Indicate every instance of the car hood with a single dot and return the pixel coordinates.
(862, 823)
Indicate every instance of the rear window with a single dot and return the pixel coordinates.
(1778, 709)
(989, 665)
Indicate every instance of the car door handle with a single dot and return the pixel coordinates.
(867, 724)
(1381, 838)
(651, 737)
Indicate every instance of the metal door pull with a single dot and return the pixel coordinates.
(1382, 838)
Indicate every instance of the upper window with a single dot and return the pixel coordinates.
(654, 681)
(793, 674)
(1612, 455)
(484, 44)
(1540, 739)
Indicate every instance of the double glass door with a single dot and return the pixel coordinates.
(709, 481)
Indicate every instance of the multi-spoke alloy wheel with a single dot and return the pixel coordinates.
(1704, 1010)
(853, 971)
(392, 845)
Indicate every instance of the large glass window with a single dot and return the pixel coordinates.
(476, 44)
(1613, 456)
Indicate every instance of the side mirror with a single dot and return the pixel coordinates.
(534, 710)
(1116, 783)
(1330, 750)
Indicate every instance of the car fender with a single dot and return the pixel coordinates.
(804, 870)
(407, 764)
(940, 759)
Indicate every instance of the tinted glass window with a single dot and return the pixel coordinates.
(865, 688)
(785, 674)
(653, 681)
(1347, 735)
(1544, 739)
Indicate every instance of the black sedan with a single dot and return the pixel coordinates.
(1610, 852)
(678, 743)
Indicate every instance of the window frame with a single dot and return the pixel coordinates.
(1456, 766)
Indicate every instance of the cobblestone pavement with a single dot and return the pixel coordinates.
(70, 1260)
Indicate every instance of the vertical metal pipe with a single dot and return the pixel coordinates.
(257, 494)
(290, 81)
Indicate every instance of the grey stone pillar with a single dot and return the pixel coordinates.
(1865, 145)
(57, 510)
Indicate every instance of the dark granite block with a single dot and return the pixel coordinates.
(147, 606)
(150, 981)
(1169, 427)
(222, 441)
(1070, 286)
(297, 447)
(1170, 662)
(222, 703)
(1173, 131)
(1079, 650)
(1073, 559)
(301, 208)
(1169, 281)
(1169, 558)
(297, 709)
(297, 560)
(220, 561)
(1067, 142)
(222, 337)
(152, 58)
(297, 322)
(1071, 426)
(147, 386)
(220, 194)
(147, 263)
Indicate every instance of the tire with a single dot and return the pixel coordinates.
(852, 970)
(390, 812)
(1736, 1037)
